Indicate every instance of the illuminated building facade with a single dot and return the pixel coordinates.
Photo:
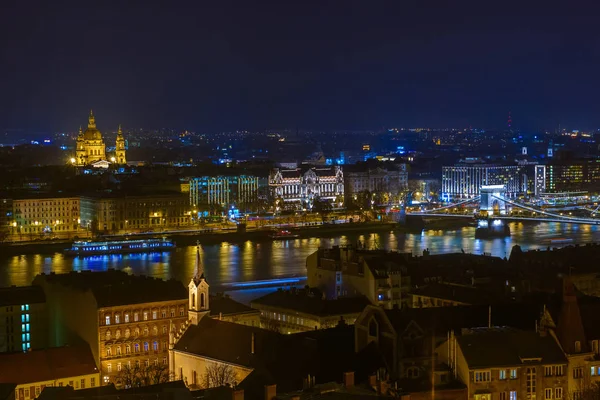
(463, 181)
(568, 176)
(90, 147)
(23, 319)
(58, 216)
(241, 191)
(378, 180)
(299, 188)
(141, 213)
(125, 319)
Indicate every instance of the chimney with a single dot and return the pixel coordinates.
(270, 392)
(237, 395)
(373, 380)
(252, 339)
(348, 379)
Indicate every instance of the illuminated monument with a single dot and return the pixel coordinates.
(91, 149)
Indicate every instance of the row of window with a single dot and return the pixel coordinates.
(108, 318)
(120, 366)
(136, 332)
(285, 318)
(136, 348)
(550, 370)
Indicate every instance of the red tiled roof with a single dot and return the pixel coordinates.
(47, 364)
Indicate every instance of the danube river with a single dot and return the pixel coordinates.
(250, 261)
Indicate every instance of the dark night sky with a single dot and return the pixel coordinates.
(212, 65)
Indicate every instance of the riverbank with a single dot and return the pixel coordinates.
(211, 238)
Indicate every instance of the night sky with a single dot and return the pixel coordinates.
(218, 65)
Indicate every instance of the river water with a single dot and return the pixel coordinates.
(250, 261)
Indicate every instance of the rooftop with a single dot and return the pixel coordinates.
(304, 302)
(114, 288)
(225, 305)
(506, 347)
(458, 293)
(16, 295)
(47, 364)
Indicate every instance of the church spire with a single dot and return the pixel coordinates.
(120, 131)
(199, 273)
(91, 120)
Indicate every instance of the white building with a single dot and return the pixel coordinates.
(299, 188)
(463, 181)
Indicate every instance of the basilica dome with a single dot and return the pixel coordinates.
(91, 133)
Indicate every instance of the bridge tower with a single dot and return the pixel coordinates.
(492, 204)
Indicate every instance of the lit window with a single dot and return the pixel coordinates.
(502, 374)
(154, 314)
(117, 319)
(108, 351)
(155, 346)
(107, 319)
(136, 317)
(109, 368)
(513, 374)
(126, 317)
(482, 376)
(146, 347)
(145, 316)
(513, 395)
(136, 347)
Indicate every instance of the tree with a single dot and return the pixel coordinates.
(137, 376)
(219, 374)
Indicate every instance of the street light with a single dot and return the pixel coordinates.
(112, 159)
(72, 160)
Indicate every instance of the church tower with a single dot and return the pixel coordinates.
(198, 293)
(80, 154)
(120, 148)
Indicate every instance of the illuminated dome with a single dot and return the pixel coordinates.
(91, 133)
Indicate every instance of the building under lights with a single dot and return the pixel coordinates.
(463, 181)
(562, 176)
(91, 150)
(299, 188)
(224, 191)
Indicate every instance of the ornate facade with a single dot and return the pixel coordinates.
(90, 146)
(303, 187)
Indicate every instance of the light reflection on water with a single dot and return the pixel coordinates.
(228, 262)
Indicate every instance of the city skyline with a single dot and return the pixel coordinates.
(230, 66)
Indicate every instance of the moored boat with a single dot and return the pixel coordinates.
(92, 248)
(283, 235)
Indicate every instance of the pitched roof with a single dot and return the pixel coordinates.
(112, 288)
(47, 364)
(442, 319)
(16, 295)
(458, 293)
(168, 390)
(303, 302)
(226, 341)
(490, 348)
(225, 305)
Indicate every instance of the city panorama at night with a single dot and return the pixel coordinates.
(299, 200)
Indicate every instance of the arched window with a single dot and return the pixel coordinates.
(127, 349)
(136, 347)
(146, 348)
(201, 300)
(193, 300)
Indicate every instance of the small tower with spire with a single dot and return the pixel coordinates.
(80, 152)
(198, 292)
(120, 148)
(92, 120)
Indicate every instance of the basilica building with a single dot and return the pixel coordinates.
(91, 149)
